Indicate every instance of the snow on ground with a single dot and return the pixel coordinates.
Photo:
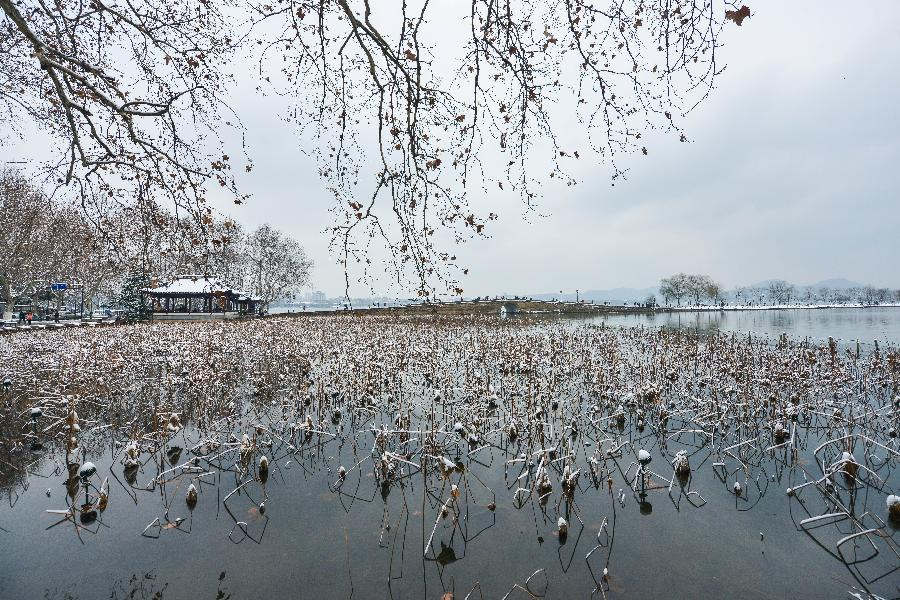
(699, 307)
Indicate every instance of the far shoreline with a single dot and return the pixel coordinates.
(549, 307)
(735, 307)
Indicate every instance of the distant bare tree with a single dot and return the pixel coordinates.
(674, 287)
(712, 290)
(225, 256)
(276, 264)
(842, 296)
(780, 291)
(45, 241)
(25, 261)
(808, 294)
(869, 294)
(159, 245)
(135, 91)
(759, 293)
(78, 257)
(702, 286)
(873, 295)
(697, 286)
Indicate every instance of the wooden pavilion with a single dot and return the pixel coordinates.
(197, 298)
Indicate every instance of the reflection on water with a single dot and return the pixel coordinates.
(418, 457)
(846, 325)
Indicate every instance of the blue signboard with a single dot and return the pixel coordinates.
(58, 287)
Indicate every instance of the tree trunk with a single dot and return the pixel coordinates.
(8, 301)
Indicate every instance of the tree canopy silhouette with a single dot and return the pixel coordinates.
(406, 115)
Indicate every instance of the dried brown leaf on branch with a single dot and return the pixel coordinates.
(739, 15)
(387, 103)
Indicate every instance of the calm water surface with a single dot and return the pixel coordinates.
(316, 542)
(317, 537)
(847, 325)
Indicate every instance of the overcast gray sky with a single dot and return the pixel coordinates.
(792, 172)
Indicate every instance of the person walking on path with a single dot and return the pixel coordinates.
(28, 317)
(56, 317)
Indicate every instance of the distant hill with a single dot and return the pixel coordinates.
(761, 284)
(625, 295)
(836, 284)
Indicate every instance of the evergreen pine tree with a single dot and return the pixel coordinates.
(130, 297)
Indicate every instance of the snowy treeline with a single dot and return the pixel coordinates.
(782, 292)
(46, 241)
(696, 290)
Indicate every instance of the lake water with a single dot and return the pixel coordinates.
(847, 325)
(304, 531)
(316, 542)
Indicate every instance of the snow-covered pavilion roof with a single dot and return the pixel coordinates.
(190, 284)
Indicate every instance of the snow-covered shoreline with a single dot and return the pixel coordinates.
(731, 307)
